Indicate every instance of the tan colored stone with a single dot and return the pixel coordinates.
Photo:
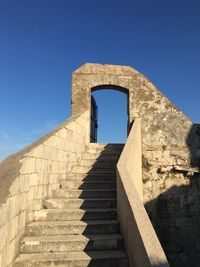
(11, 252)
(37, 152)
(13, 228)
(30, 180)
(4, 236)
(28, 165)
(22, 221)
(146, 251)
(31, 193)
(62, 133)
(165, 132)
(41, 165)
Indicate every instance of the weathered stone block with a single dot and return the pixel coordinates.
(37, 152)
(4, 236)
(15, 187)
(13, 228)
(28, 165)
(15, 205)
(4, 213)
(62, 133)
(22, 221)
(12, 247)
(40, 192)
(31, 193)
(30, 180)
(63, 156)
(55, 167)
(41, 165)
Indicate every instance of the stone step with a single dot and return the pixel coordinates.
(103, 152)
(73, 203)
(75, 214)
(105, 148)
(88, 184)
(88, 193)
(91, 170)
(98, 163)
(61, 243)
(72, 228)
(91, 177)
(73, 259)
(100, 156)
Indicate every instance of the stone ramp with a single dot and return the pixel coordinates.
(78, 226)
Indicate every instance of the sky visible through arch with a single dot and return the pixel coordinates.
(112, 116)
(43, 42)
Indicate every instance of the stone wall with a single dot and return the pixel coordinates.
(29, 176)
(170, 160)
(141, 242)
(162, 123)
(171, 195)
(170, 174)
(171, 153)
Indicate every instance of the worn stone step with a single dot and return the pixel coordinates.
(100, 156)
(101, 153)
(75, 214)
(73, 259)
(91, 177)
(72, 228)
(64, 203)
(105, 148)
(89, 169)
(88, 184)
(100, 163)
(108, 145)
(61, 243)
(87, 193)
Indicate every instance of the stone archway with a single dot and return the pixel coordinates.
(145, 102)
(91, 77)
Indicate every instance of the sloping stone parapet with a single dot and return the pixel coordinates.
(29, 176)
(143, 246)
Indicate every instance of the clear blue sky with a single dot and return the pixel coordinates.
(43, 41)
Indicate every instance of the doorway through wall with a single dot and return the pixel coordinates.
(112, 115)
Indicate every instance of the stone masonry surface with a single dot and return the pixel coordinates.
(170, 164)
(171, 153)
(78, 225)
(28, 177)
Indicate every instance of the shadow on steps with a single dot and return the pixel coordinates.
(98, 192)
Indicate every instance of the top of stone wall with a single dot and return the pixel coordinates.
(105, 69)
(10, 166)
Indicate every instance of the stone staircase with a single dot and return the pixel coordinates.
(78, 227)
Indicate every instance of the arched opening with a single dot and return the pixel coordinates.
(110, 106)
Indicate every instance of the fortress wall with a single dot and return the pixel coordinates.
(163, 124)
(29, 176)
(170, 159)
(170, 155)
(170, 174)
